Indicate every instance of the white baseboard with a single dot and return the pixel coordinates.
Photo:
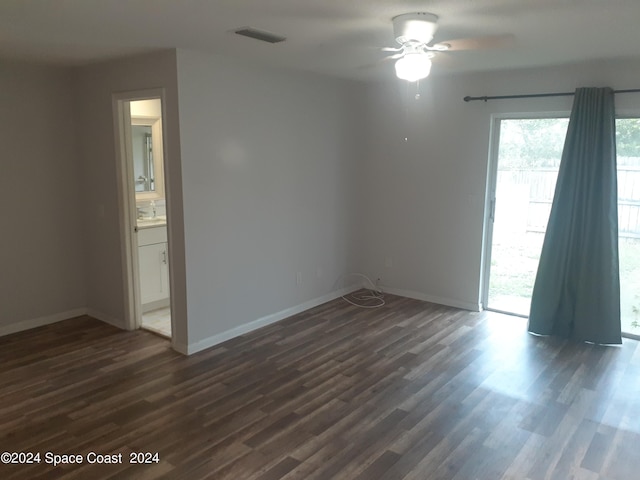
(188, 349)
(260, 322)
(148, 307)
(103, 317)
(180, 347)
(449, 302)
(41, 321)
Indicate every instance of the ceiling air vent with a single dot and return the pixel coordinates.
(260, 35)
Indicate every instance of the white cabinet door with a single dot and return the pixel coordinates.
(154, 272)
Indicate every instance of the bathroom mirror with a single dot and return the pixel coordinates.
(143, 171)
(146, 147)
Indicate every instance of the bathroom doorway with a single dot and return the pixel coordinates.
(144, 207)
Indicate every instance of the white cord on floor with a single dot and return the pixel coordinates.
(373, 293)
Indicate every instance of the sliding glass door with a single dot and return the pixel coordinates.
(527, 154)
(526, 157)
(628, 150)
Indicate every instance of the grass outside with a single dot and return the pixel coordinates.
(514, 262)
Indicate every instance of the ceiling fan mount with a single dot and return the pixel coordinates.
(415, 27)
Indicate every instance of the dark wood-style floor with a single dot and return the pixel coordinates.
(408, 391)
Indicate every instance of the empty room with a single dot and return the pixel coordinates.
(320, 240)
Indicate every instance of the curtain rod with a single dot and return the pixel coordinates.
(536, 95)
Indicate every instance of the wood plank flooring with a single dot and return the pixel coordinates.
(411, 390)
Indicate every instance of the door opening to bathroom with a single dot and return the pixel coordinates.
(145, 219)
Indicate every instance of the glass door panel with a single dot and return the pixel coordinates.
(529, 152)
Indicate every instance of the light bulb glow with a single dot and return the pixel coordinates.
(413, 67)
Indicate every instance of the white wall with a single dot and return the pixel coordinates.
(426, 195)
(95, 85)
(146, 108)
(41, 233)
(269, 159)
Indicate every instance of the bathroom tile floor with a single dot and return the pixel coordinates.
(158, 321)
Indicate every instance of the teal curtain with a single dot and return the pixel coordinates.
(577, 289)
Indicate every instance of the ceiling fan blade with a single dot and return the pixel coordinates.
(391, 49)
(445, 61)
(480, 43)
(381, 61)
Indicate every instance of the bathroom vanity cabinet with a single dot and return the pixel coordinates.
(153, 259)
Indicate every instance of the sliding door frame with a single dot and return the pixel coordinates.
(622, 114)
(490, 195)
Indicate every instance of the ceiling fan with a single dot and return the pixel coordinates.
(414, 32)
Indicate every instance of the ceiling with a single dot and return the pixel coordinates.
(333, 37)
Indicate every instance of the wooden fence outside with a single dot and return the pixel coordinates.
(541, 183)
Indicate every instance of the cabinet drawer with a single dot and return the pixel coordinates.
(149, 236)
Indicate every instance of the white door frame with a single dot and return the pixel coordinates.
(127, 200)
(490, 195)
(489, 208)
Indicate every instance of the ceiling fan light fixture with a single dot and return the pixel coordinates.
(413, 67)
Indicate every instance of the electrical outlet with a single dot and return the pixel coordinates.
(388, 262)
(299, 278)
